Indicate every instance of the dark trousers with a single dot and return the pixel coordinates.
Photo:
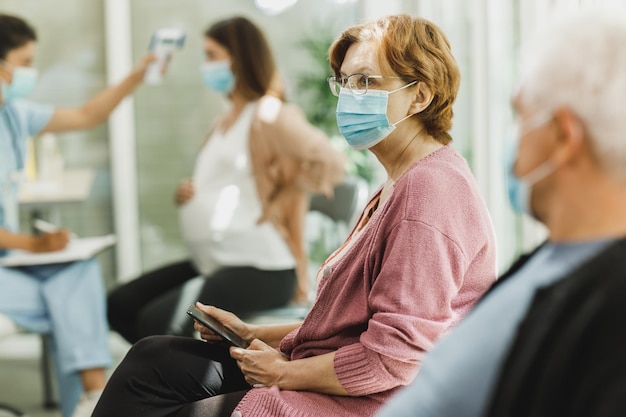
(163, 376)
(155, 303)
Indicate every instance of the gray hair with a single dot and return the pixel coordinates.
(580, 64)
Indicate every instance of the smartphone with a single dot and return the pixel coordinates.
(212, 323)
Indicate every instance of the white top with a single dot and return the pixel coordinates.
(219, 224)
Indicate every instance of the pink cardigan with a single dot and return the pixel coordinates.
(419, 265)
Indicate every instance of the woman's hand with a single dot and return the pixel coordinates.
(184, 192)
(228, 319)
(262, 365)
(139, 71)
(50, 242)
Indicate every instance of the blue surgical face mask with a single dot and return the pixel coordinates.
(362, 118)
(218, 76)
(23, 83)
(519, 190)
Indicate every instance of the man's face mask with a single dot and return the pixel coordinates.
(362, 118)
(519, 189)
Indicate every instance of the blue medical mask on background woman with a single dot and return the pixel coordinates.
(218, 76)
(23, 83)
(362, 118)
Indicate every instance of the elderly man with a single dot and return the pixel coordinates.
(547, 339)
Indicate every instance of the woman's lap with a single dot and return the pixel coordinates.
(161, 375)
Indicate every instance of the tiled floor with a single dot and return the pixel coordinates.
(20, 372)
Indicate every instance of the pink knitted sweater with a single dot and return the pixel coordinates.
(417, 267)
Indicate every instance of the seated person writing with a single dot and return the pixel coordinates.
(65, 300)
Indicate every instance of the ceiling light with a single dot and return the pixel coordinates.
(274, 6)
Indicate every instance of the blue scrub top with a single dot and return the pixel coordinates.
(19, 121)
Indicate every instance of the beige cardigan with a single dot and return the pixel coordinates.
(291, 159)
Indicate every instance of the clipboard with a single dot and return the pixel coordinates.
(77, 249)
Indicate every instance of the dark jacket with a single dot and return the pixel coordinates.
(568, 358)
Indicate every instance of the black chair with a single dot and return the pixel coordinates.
(12, 411)
(348, 198)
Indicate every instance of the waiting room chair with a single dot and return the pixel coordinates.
(348, 199)
(7, 410)
(7, 329)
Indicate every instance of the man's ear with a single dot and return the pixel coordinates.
(570, 133)
(422, 98)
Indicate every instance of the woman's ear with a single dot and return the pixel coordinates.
(5, 74)
(422, 98)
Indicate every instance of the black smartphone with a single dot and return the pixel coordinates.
(212, 323)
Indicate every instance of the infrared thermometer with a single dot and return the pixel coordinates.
(163, 44)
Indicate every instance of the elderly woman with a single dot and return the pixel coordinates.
(418, 258)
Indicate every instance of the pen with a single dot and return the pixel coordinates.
(47, 227)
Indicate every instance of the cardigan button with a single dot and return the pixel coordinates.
(236, 414)
(327, 272)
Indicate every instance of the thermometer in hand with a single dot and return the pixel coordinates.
(163, 44)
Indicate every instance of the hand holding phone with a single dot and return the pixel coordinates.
(217, 327)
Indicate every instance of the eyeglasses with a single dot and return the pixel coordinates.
(357, 83)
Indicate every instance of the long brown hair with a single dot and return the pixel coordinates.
(251, 57)
(414, 49)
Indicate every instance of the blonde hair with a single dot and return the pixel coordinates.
(414, 49)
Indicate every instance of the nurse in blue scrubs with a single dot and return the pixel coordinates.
(65, 300)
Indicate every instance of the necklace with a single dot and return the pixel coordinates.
(406, 147)
(386, 191)
(399, 157)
